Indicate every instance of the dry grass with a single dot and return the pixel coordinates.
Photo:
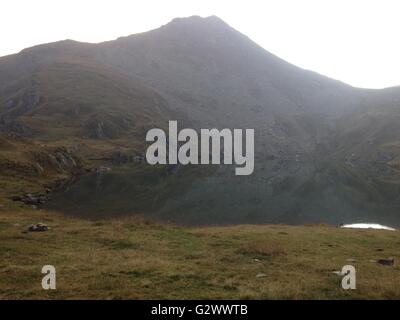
(264, 249)
(137, 259)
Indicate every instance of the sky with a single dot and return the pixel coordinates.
(355, 41)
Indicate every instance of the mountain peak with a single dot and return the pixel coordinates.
(191, 22)
(197, 19)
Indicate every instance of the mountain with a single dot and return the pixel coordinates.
(320, 143)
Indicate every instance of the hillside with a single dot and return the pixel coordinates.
(208, 72)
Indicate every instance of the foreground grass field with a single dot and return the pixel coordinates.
(136, 259)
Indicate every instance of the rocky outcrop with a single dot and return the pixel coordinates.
(52, 168)
(59, 159)
(101, 128)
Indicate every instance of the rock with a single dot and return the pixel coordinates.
(386, 262)
(39, 227)
(103, 169)
(42, 199)
(14, 127)
(261, 275)
(32, 200)
(29, 199)
(256, 260)
(60, 159)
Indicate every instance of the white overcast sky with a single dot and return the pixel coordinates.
(356, 41)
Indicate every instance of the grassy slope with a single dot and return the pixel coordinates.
(135, 258)
(26, 167)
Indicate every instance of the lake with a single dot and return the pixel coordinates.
(286, 192)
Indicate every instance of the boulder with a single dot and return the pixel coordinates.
(39, 227)
(386, 262)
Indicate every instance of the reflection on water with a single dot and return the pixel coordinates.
(367, 226)
(287, 192)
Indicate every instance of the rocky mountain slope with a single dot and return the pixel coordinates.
(100, 99)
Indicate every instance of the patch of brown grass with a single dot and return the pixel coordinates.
(264, 248)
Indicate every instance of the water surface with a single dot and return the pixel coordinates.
(286, 192)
